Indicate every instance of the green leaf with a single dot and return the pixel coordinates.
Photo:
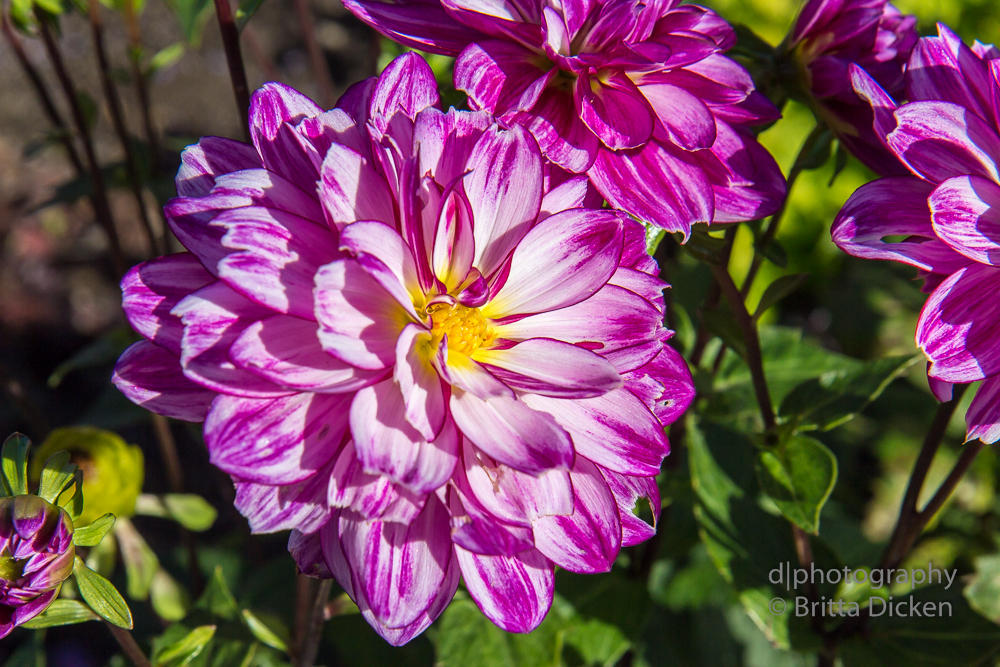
(464, 637)
(91, 536)
(101, 595)
(188, 509)
(103, 351)
(721, 323)
(141, 563)
(954, 635)
(103, 558)
(245, 12)
(798, 475)
(265, 633)
(15, 464)
(182, 652)
(53, 7)
(778, 290)
(192, 16)
(217, 598)
(170, 599)
(838, 396)
(57, 475)
(165, 57)
(816, 150)
(983, 590)
(773, 252)
(654, 235)
(62, 612)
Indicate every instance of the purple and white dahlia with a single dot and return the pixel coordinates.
(947, 211)
(36, 556)
(636, 94)
(831, 35)
(413, 344)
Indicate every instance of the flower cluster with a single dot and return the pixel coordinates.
(947, 211)
(636, 94)
(416, 343)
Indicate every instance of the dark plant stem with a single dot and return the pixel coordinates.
(748, 328)
(310, 645)
(141, 85)
(129, 645)
(234, 59)
(102, 209)
(712, 301)
(168, 450)
(118, 121)
(317, 62)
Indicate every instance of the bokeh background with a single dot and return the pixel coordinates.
(61, 328)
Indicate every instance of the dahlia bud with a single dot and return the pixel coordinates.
(36, 556)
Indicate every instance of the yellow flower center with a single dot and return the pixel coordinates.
(466, 328)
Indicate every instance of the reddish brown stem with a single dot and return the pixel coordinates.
(234, 59)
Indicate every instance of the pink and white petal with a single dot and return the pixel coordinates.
(400, 636)
(504, 192)
(150, 290)
(655, 186)
(563, 260)
(407, 85)
(423, 395)
(213, 318)
(211, 157)
(276, 255)
(477, 530)
(983, 416)
(615, 110)
(464, 374)
(687, 121)
(351, 189)
(151, 377)
(551, 368)
(383, 242)
(260, 187)
(276, 441)
(628, 490)
(965, 212)
(561, 134)
(938, 140)
(892, 207)
(959, 327)
(616, 431)
(512, 433)
(286, 351)
(387, 444)
(274, 109)
(588, 540)
(496, 74)
(371, 496)
(512, 496)
(647, 285)
(446, 140)
(515, 592)
(359, 321)
(337, 126)
(301, 506)
(307, 551)
(399, 569)
(665, 385)
(571, 193)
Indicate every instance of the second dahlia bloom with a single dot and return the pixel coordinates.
(636, 94)
(947, 211)
(413, 344)
(831, 35)
(36, 556)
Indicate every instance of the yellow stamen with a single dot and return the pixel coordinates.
(466, 328)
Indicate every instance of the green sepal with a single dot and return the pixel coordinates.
(102, 596)
(91, 536)
(15, 464)
(62, 612)
(265, 633)
(57, 475)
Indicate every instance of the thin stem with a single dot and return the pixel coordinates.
(168, 449)
(747, 326)
(310, 646)
(141, 85)
(129, 645)
(712, 301)
(117, 120)
(317, 62)
(304, 589)
(237, 72)
(969, 453)
(102, 209)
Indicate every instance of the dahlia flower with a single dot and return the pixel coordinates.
(831, 35)
(637, 95)
(947, 210)
(36, 556)
(413, 345)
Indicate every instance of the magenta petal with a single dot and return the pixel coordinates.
(446, 140)
(388, 444)
(202, 162)
(151, 377)
(655, 187)
(616, 430)
(563, 260)
(615, 110)
(400, 636)
(689, 123)
(274, 109)
(307, 550)
(551, 368)
(983, 416)
(399, 568)
(943, 68)
(260, 187)
(500, 76)
(301, 506)
(504, 191)
(628, 490)
(275, 441)
(883, 106)
(512, 433)
(406, 85)
(588, 540)
(752, 186)
(959, 327)
(515, 592)
(351, 189)
(152, 289)
(965, 211)
(286, 351)
(419, 24)
(561, 134)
